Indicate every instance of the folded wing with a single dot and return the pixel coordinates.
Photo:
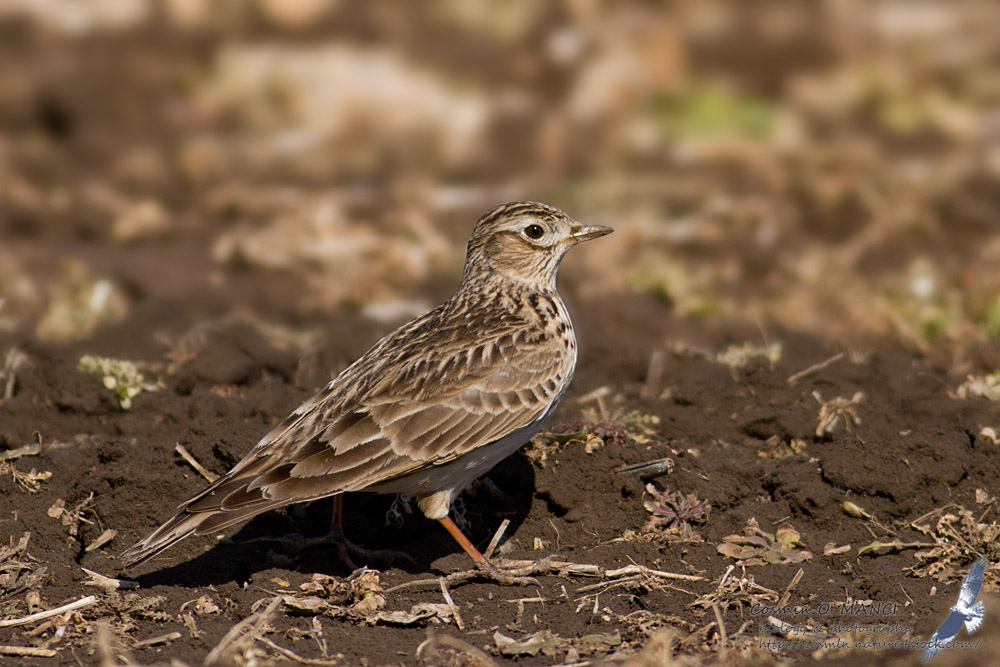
(338, 443)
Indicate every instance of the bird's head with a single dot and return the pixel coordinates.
(524, 241)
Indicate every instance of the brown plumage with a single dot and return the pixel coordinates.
(434, 404)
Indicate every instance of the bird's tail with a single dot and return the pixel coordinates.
(222, 503)
(974, 619)
(186, 523)
(173, 531)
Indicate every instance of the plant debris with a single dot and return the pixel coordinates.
(100, 581)
(30, 482)
(359, 599)
(101, 540)
(756, 547)
(959, 538)
(547, 643)
(777, 448)
(49, 613)
(71, 518)
(18, 571)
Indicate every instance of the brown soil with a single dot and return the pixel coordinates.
(744, 440)
(914, 450)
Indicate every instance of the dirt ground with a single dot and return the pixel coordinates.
(914, 450)
(790, 424)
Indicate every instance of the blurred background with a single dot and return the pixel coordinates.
(828, 166)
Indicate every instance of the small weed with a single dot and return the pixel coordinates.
(756, 547)
(674, 512)
(397, 512)
(119, 376)
(776, 448)
(990, 319)
(598, 427)
(959, 539)
(980, 386)
(737, 357)
(838, 409)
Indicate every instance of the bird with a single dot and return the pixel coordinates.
(431, 406)
(963, 612)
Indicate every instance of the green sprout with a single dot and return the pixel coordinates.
(119, 376)
(982, 386)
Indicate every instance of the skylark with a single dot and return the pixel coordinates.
(433, 405)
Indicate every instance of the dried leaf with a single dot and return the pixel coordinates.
(756, 547)
(895, 545)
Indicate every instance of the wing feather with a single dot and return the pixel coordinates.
(298, 488)
(331, 461)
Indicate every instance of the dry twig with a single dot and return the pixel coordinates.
(101, 581)
(247, 630)
(101, 540)
(548, 565)
(159, 639)
(437, 643)
(27, 651)
(497, 536)
(792, 379)
(292, 655)
(451, 604)
(49, 613)
(193, 462)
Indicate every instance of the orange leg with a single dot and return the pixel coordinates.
(466, 545)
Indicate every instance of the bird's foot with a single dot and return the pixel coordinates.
(347, 552)
(522, 572)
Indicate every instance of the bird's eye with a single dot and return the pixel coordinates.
(534, 231)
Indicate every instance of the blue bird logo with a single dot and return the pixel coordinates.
(964, 611)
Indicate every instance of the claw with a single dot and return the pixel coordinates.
(491, 571)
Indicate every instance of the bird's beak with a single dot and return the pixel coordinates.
(587, 232)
